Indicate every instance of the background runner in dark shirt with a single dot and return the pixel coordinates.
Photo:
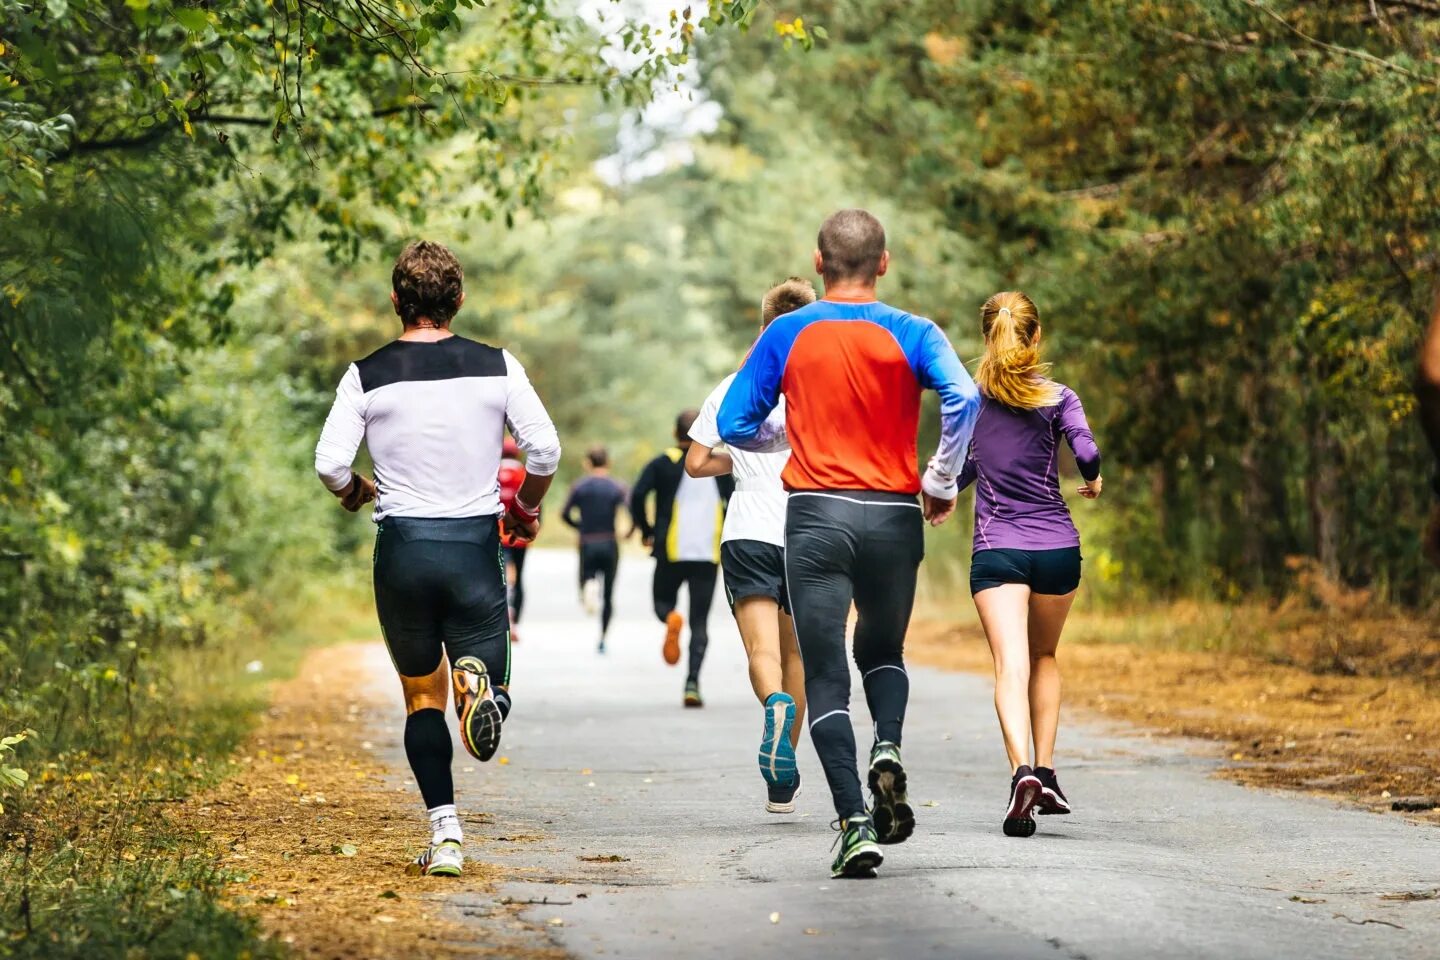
(590, 509)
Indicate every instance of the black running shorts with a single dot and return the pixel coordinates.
(440, 589)
(754, 568)
(1046, 572)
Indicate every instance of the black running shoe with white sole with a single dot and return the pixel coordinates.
(1025, 789)
(476, 707)
(1052, 798)
(894, 817)
(781, 796)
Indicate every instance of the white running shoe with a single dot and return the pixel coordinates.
(443, 859)
(590, 597)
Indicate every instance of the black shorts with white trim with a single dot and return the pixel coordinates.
(754, 568)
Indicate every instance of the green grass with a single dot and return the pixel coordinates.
(91, 864)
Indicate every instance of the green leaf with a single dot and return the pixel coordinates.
(191, 19)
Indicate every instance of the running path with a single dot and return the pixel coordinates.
(1160, 860)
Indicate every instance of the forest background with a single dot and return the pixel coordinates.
(1225, 209)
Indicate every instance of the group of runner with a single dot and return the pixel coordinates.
(826, 511)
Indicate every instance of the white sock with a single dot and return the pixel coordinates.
(445, 824)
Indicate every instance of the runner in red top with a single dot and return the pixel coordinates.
(512, 475)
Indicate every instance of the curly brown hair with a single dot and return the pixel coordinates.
(428, 282)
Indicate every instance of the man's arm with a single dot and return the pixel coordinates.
(1427, 383)
(534, 432)
(1427, 393)
(641, 492)
(340, 441)
(743, 421)
(940, 370)
(567, 511)
(701, 460)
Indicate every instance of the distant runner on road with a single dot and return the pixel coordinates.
(684, 538)
(590, 511)
(432, 408)
(752, 556)
(851, 370)
(1026, 563)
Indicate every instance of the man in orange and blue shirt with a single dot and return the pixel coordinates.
(851, 370)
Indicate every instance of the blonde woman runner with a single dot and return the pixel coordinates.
(1026, 563)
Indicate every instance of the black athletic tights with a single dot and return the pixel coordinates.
(866, 547)
(700, 577)
(601, 558)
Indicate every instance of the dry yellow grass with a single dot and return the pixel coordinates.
(1344, 705)
(306, 796)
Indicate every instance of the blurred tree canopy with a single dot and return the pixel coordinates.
(160, 164)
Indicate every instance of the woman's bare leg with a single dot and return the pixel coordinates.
(759, 622)
(1047, 619)
(792, 674)
(1004, 613)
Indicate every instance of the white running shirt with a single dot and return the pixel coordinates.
(433, 415)
(693, 518)
(757, 508)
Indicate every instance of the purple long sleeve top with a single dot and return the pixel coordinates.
(1013, 464)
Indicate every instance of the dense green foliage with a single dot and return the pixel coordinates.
(158, 399)
(1225, 211)
(1221, 206)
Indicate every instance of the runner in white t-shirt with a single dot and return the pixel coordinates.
(752, 556)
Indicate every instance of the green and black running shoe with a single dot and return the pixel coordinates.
(692, 694)
(443, 859)
(475, 705)
(894, 818)
(859, 853)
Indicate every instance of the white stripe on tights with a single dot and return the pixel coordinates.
(828, 716)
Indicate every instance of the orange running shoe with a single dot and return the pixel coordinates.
(674, 623)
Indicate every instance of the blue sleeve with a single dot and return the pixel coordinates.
(939, 369)
(755, 392)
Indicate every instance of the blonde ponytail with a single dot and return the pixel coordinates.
(1010, 371)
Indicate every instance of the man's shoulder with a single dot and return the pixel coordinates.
(454, 357)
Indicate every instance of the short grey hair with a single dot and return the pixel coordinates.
(851, 244)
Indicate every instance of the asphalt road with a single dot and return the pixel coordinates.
(1159, 860)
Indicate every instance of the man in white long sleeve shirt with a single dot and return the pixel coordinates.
(432, 408)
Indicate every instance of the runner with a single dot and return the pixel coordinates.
(685, 541)
(851, 370)
(1026, 563)
(512, 476)
(432, 408)
(595, 499)
(752, 555)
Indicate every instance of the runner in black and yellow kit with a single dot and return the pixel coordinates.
(685, 541)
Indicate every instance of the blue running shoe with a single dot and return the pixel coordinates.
(777, 753)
